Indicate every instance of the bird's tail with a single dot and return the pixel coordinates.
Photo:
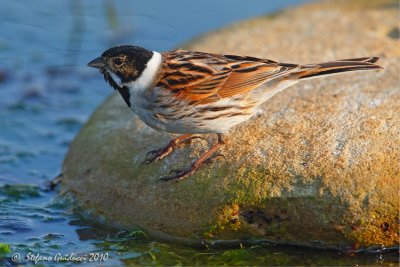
(337, 66)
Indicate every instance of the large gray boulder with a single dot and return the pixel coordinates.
(321, 163)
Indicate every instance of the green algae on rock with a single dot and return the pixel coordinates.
(321, 163)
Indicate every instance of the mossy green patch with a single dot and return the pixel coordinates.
(377, 228)
(19, 191)
(4, 249)
(228, 221)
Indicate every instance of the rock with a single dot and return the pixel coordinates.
(319, 165)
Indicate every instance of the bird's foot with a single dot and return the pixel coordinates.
(159, 154)
(206, 158)
(179, 175)
(182, 174)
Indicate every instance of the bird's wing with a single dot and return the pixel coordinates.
(204, 77)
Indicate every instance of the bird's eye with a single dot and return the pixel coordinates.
(118, 62)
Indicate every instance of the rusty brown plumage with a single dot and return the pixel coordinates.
(205, 78)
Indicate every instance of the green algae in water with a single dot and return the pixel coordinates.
(4, 249)
(19, 191)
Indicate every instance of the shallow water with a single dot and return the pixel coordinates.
(47, 93)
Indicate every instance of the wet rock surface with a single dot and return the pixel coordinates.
(320, 165)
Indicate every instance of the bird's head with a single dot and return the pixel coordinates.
(122, 65)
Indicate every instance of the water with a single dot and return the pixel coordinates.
(47, 93)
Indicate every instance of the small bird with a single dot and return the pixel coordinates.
(190, 92)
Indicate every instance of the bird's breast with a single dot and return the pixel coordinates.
(162, 110)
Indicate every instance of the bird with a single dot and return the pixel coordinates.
(193, 93)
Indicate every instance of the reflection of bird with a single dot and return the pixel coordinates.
(196, 93)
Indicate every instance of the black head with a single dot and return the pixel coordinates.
(126, 62)
(122, 64)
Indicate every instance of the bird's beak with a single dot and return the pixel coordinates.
(97, 63)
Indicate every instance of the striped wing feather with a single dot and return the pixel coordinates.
(203, 77)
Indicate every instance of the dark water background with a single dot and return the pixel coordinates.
(47, 93)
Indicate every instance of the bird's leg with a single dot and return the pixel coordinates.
(161, 153)
(180, 175)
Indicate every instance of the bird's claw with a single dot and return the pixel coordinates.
(158, 154)
(178, 175)
(152, 152)
(174, 171)
(209, 160)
